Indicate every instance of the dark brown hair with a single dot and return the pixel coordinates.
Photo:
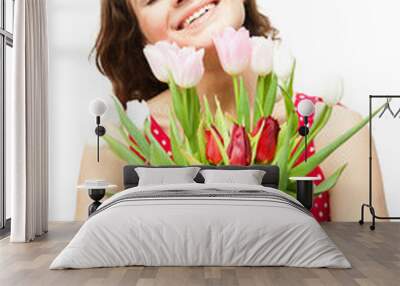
(120, 42)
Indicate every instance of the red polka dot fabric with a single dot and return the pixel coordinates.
(161, 137)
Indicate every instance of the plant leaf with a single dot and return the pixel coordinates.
(178, 103)
(236, 90)
(306, 167)
(176, 142)
(143, 145)
(290, 109)
(270, 97)
(284, 156)
(220, 122)
(202, 143)
(330, 182)
(221, 148)
(207, 112)
(260, 98)
(244, 105)
(318, 125)
(254, 142)
(291, 80)
(190, 158)
(122, 151)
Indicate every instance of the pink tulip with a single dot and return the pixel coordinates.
(186, 66)
(158, 56)
(234, 50)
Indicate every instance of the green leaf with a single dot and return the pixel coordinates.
(319, 123)
(177, 102)
(330, 182)
(194, 116)
(270, 98)
(195, 102)
(190, 158)
(124, 135)
(202, 143)
(236, 90)
(291, 80)
(254, 143)
(207, 112)
(306, 167)
(284, 155)
(260, 98)
(176, 142)
(220, 123)
(281, 136)
(143, 145)
(290, 110)
(244, 106)
(122, 151)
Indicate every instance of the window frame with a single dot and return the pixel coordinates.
(6, 39)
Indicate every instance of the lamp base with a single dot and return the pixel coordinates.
(100, 130)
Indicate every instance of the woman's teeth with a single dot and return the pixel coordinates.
(198, 14)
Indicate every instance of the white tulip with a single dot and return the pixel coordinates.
(138, 112)
(283, 61)
(261, 55)
(331, 89)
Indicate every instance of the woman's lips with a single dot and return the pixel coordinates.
(198, 16)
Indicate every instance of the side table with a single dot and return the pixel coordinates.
(305, 189)
(96, 193)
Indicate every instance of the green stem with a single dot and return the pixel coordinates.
(235, 79)
(270, 98)
(259, 100)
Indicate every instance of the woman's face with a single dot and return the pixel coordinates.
(187, 22)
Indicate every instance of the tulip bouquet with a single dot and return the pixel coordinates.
(251, 136)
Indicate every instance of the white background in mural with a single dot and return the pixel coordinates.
(356, 40)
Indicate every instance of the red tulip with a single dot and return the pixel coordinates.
(266, 146)
(212, 152)
(239, 149)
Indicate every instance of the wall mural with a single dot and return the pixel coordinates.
(167, 116)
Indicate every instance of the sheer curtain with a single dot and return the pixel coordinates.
(27, 123)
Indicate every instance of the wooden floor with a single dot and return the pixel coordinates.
(375, 257)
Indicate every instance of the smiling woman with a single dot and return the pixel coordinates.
(128, 26)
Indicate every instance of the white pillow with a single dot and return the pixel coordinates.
(247, 177)
(166, 176)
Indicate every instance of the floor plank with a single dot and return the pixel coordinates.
(375, 257)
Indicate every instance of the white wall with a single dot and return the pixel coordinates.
(74, 81)
(357, 39)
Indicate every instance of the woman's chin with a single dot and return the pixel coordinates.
(204, 38)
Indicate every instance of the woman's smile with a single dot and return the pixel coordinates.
(187, 22)
(197, 15)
